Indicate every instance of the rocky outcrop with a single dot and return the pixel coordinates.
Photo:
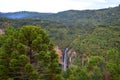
(1, 31)
(71, 56)
(59, 52)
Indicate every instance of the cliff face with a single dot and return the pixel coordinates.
(1, 31)
(59, 53)
(71, 56)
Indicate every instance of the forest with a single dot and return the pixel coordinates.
(28, 39)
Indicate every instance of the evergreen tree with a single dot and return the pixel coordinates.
(27, 54)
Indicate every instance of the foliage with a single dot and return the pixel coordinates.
(27, 54)
(94, 34)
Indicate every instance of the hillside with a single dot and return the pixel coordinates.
(24, 14)
(89, 42)
(64, 27)
(108, 16)
(102, 16)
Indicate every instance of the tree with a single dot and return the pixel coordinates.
(27, 53)
(113, 64)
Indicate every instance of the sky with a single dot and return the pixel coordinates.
(54, 6)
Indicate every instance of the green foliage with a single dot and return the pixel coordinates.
(99, 41)
(113, 65)
(99, 52)
(28, 68)
(106, 16)
(27, 54)
(10, 79)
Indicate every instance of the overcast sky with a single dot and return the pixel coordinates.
(54, 5)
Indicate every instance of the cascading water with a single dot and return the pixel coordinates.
(65, 59)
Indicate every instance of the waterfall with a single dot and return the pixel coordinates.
(65, 59)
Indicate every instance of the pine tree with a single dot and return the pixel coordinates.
(27, 54)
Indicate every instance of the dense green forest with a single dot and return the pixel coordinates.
(93, 34)
(84, 17)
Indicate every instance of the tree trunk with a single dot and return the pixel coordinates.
(106, 76)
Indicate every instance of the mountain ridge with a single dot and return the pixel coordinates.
(100, 16)
(23, 14)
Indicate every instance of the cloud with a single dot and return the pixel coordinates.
(53, 5)
(40, 5)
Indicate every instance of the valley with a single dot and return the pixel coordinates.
(86, 44)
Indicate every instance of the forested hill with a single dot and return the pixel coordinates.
(94, 35)
(24, 14)
(102, 16)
